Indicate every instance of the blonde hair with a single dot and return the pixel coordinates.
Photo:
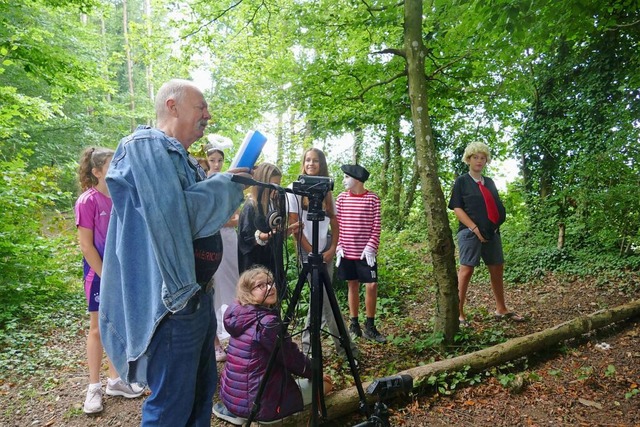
(476, 148)
(263, 173)
(91, 157)
(247, 281)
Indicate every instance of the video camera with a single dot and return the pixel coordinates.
(308, 185)
(315, 188)
(385, 388)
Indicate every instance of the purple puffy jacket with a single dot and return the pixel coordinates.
(254, 331)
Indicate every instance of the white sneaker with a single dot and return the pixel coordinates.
(119, 388)
(93, 402)
(221, 411)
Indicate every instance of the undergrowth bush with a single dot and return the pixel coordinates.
(530, 256)
(404, 265)
(36, 259)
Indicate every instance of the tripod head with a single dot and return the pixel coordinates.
(315, 188)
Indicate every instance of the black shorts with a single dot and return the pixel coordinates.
(357, 269)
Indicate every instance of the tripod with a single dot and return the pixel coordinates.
(319, 281)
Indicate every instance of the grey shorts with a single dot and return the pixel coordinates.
(471, 249)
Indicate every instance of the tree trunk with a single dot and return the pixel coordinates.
(358, 138)
(280, 137)
(439, 232)
(561, 233)
(386, 161)
(309, 128)
(346, 401)
(411, 194)
(127, 48)
(398, 172)
(104, 63)
(280, 142)
(151, 91)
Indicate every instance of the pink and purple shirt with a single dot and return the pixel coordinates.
(93, 210)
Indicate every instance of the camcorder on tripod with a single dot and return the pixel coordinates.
(315, 189)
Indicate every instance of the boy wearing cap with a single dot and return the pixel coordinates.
(358, 214)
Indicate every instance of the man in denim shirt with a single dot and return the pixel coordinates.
(157, 323)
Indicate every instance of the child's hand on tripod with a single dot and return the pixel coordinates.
(327, 255)
(294, 228)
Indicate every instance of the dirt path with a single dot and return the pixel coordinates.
(584, 382)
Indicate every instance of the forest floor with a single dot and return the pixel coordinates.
(590, 381)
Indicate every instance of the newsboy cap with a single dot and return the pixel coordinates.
(356, 171)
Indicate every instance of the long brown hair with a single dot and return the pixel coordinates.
(91, 157)
(327, 203)
(263, 173)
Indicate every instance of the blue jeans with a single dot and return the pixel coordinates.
(181, 369)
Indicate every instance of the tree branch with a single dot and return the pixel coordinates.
(360, 96)
(214, 19)
(398, 52)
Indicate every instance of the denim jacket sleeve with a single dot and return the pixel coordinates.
(175, 208)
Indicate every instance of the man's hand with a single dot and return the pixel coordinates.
(370, 255)
(241, 171)
(244, 176)
(339, 255)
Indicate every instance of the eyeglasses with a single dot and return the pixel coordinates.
(264, 286)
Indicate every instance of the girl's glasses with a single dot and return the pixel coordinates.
(264, 286)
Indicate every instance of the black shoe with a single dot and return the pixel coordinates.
(371, 333)
(355, 331)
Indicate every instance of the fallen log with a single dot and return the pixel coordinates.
(347, 401)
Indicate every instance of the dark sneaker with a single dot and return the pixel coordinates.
(371, 333)
(355, 331)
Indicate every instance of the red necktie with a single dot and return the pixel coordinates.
(489, 201)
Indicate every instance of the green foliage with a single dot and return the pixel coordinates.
(577, 142)
(469, 340)
(584, 373)
(33, 266)
(428, 341)
(555, 372)
(25, 347)
(402, 258)
(633, 391)
(530, 239)
(610, 371)
(45, 57)
(530, 256)
(446, 383)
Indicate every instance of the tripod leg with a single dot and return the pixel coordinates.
(344, 338)
(317, 394)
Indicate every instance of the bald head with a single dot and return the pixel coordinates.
(181, 111)
(173, 89)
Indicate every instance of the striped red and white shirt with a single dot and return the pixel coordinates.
(359, 222)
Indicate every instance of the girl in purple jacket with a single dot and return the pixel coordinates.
(253, 323)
